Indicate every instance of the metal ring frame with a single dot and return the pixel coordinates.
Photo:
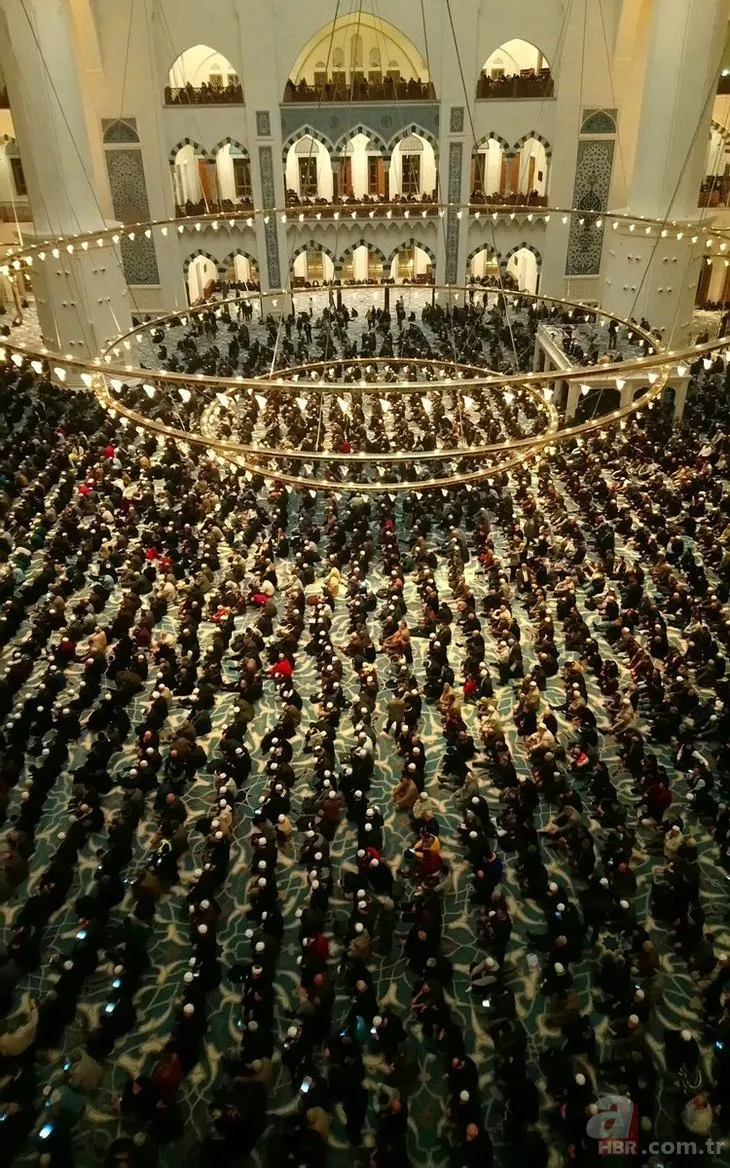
(100, 372)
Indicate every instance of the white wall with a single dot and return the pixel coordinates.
(359, 164)
(187, 176)
(200, 272)
(490, 162)
(533, 149)
(523, 266)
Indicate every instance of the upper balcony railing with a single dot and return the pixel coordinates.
(361, 89)
(204, 95)
(526, 84)
(375, 206)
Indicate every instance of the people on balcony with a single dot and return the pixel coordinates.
(528, 83)
(513, 198)
(213, 207)
(319, 203)
(361, 88)
(714, 191)
(204, 94)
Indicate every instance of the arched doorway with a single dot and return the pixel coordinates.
(413, 169)
(484, 266)
(516, 69)
(362, 265)
(312, 267)
(522, 270)
(233, 173)
(241, 270)
(308, 174)
(203, 76)
(411, 264)
(191, 179)
(201, 278)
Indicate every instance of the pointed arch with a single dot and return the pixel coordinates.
(375, 139)
(347, 253)
(406, 243)
(488, 247)
(313, 245)
(518, 247)
(227, 260)
(306, 131)
(538, 138)
(194, 255)
(120, 130)
(329, 46)
(414, 128)
(200, 151)
(230, 142)
(492, 136)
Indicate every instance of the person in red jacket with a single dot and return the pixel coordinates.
(282, 668)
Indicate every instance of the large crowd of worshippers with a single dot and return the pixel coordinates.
(538, 662)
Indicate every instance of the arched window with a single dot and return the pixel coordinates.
(331, 67)
(522, 270)
(413, 169)
(356, 51)
(203, 76)
(233, 170)
(515, 69)
(308, 173)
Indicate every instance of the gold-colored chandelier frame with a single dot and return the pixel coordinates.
(104, 375)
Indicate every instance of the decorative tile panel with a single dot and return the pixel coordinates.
(263, 123)
(599, 121)
(119, 130)
(129, 201)
(452, 221)
(456, 124)
(268, 198)
(590, 194)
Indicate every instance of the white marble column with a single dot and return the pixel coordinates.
(83, 300)
(646, 273)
